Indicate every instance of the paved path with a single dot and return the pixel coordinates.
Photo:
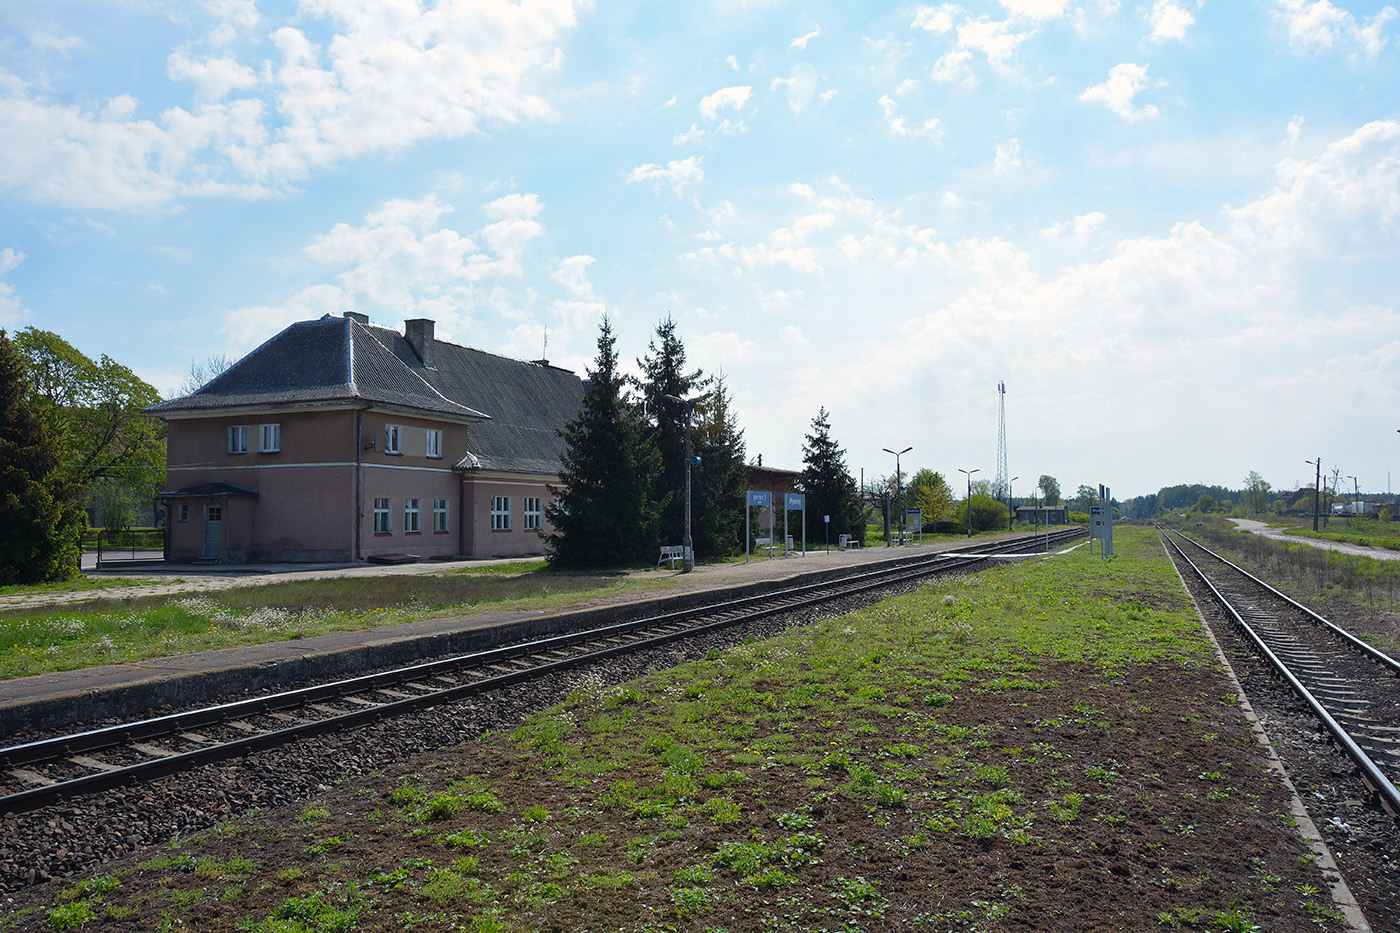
(190, 578)
(1277, 534)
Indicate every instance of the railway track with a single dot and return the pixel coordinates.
(1348, 685)
(41, 773)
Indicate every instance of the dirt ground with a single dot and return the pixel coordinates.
(1135, 802)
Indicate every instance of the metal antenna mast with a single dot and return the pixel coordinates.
(999, 485)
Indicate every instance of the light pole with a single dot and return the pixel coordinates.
(898, 489)
(1317, 488)
(1355, 498)
(688, 553)
(1010, 513)
(969, 497)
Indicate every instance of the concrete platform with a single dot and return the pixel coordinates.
(54, 700)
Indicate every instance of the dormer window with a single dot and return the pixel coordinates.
(434, 443)
(391, 439)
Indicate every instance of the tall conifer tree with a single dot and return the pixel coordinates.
(604, 512)
(42, 525)
(720, 478)
(663, 374)
(830, 488)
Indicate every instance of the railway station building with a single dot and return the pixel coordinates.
(339, 441)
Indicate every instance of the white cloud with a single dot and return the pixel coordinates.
(11, 308)
(313, 106)
(955, 68)
(732, 62)
(1008, 157)
(938, 19)
(1080, 230)
(729, 98)
(406, 262)
(678, 174)
(1315, 25)
(572, 273)
(1036, 9)
(1123, 84)
(1295, 128)
(213, 78)
(897, 125)
(801, 41)
(1170, 21)
(800, 87)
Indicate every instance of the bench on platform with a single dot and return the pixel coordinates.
(671, 552)
(848, 541)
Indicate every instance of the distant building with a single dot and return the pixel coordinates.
(1043, 514)
(338, 440)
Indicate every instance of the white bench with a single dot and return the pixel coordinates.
(671, 552)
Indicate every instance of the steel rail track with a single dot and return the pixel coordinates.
(497, 668)
(1375, 779)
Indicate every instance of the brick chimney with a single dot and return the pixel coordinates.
(357, 316)
(419, 333)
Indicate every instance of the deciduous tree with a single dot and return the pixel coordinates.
(1050, 488)
(41, 527)
(1256, 493)
(604, 511)
(96, 413)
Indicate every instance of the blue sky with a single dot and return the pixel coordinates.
(1171, 227)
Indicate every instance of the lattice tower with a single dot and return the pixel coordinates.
(1003, 477)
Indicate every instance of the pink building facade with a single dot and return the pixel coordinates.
(338, 441)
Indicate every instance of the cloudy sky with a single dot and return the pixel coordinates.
(1171, 227)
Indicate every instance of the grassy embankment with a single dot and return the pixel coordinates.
(1045, 744)
(116, 630)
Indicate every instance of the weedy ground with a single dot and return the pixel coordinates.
(1044, 746)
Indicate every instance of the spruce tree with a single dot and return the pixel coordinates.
(719, 479)
(42, 525)
(830, 488)
(663, 374)
(604, 513)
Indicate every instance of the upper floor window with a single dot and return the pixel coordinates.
(411, 516)
(434, 443)
(238, 439)
(534, 515)
(500, 513)
(391, 439)
(271, 438)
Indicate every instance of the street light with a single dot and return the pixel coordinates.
(898, 489)
(688, 553)
(1010, 515)
(969, 497)
(1355, 498)
(1317, 488)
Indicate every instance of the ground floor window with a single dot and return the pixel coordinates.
(500, 513)
(440, 514)
(382, 522)
(411, 514)
(534, 515)
(182, 512)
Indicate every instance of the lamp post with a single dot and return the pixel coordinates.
(1355, 498)
(1317, 488)
(969, 497)
(898, 489)
(688, 553)
(1010, 513)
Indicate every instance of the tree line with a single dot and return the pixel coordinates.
(622, 473)
(72, 435)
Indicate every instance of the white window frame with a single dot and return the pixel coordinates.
(238, 439)
(434, 445)
(500, 513)
(442, 515)
(270, 438)
(383, 516)
(534, 513)
(412, 516)
(392, 437)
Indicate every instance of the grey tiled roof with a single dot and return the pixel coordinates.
(515, 407)
(320, 362)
